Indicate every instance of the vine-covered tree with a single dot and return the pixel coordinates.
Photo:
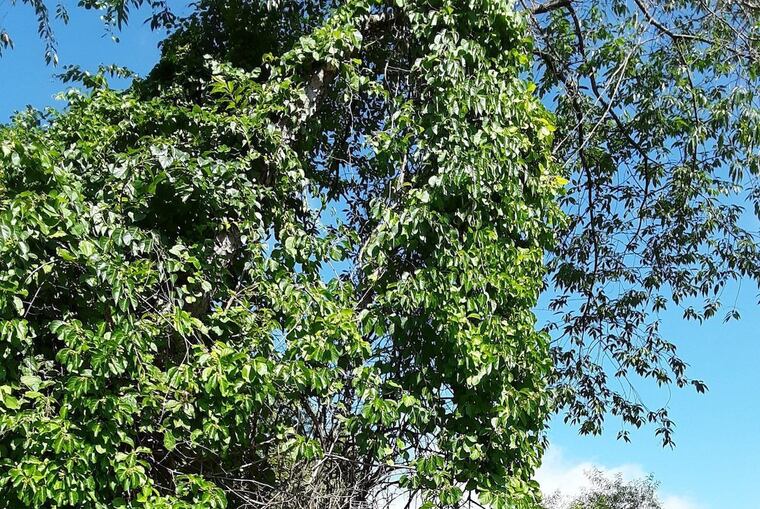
(217, 175)
(185, 323)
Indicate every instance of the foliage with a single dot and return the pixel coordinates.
(657, 123)
(657, 113)
(183, 323)
(610, 493)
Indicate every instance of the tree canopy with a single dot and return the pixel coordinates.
(657, 127)
(656, 116)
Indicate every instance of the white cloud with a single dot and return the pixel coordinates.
(558, 474)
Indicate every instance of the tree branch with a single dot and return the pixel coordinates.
(553, 5)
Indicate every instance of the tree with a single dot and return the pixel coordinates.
(657, 115)
(655, 125)
(610, 493)
(185, 324)
(657, 131)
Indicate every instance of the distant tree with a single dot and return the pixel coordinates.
(610, 492)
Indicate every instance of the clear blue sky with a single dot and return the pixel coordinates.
(717, 459)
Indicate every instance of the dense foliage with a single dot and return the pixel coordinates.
(185, 323)
(657, 131)
(657, 121)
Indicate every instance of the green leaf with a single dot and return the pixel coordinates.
(19, 305)
(170, 441)
(31, 381)
(87, 248)
(10, 402)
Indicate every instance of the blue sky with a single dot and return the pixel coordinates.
(26, 80)
(716, 463)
